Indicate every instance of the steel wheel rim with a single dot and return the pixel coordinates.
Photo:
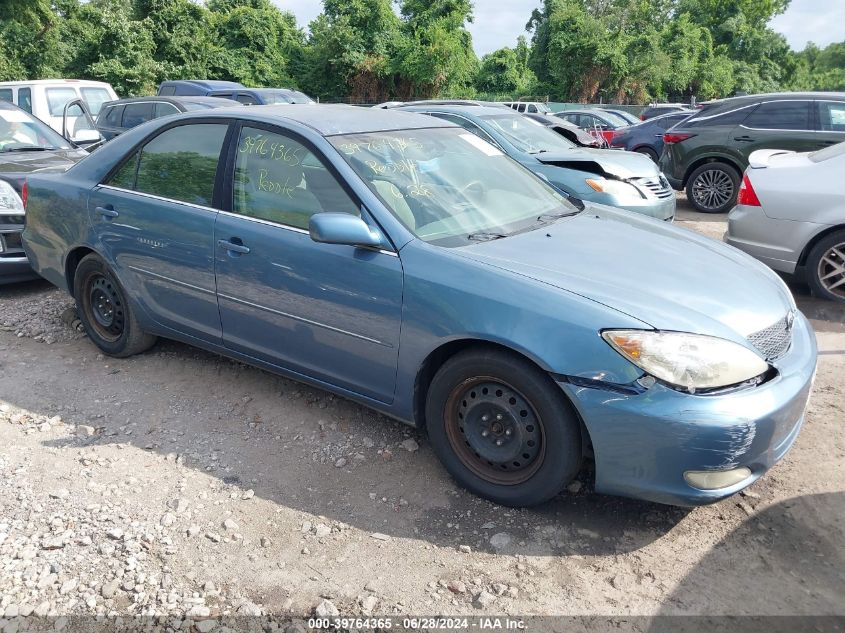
(104, 304)
(831, 270)
(495, 431)
(713, 189)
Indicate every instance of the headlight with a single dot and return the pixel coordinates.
(688, 361)
(613, 187)
(10, 201)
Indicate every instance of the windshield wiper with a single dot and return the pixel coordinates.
(485, 237)
(29, 148)
(539, 151)
(550, 217)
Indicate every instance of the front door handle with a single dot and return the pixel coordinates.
(107, 212)
(233, 247)
(743, 139)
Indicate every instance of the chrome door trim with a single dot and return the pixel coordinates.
(177, 282)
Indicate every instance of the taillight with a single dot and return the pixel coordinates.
(608, 135)
(675, 137)
(642, 117)
(747, 196)
(24, 194)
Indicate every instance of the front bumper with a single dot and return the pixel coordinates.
(644, 443)
(653, 207)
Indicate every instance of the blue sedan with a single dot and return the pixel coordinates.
(405, 263)
(646, 137)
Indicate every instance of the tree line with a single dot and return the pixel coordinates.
(624, 51)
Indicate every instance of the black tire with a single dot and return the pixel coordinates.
(826, 267)
(648, 152)
(713, 187)
(508, 409)
(104, 311)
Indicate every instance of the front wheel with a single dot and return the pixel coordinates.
(502, 428)
(104, 311)
(826, 267)
(712, 188)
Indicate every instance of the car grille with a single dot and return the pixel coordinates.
(774, 341)
(658, 187)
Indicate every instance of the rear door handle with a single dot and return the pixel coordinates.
(743, 139)
(107, 212)
(233, 247)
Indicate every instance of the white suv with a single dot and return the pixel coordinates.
(46, 99)
(528, 107)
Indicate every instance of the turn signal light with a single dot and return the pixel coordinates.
(747, 196)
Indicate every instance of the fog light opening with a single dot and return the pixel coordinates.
(716, 479)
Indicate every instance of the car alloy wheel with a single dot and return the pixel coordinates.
(494, 431)
(712, 189)
(831, 270)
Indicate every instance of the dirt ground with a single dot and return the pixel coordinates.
(184, 484)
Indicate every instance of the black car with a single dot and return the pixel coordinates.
(646, 137)
(707, 153)
(26, 145)
(118, 116)
(661, 109)
(568, 130)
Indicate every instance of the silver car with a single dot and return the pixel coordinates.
(790, 214)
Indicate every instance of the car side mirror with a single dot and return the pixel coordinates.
(84, 137)
(343, 228)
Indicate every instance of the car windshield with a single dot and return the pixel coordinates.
(450, 187)
(527, 135)
(20, 131)
(95, 98)
(543, 108)
(613, 118)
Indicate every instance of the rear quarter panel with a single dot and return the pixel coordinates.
(56, 221)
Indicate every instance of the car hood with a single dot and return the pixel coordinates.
(617, 163)
(667, 277)
(28, 162)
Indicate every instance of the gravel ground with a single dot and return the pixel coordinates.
(187, 486)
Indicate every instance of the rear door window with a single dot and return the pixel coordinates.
(831, 115)
(6, 94)
(111, 115)
(178, 164)
(58, 97)
(137, 113)
(780, 115)
(25, 99)
(732, 117)
(165, 109)
(167, 91)
(246, 99)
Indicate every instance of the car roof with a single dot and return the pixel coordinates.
(208, 84)
(477, 110)
(56, 82)
(333, 119)
(774, 96)
(175, 99)
(583, 111)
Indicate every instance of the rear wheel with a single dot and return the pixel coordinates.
(826, 267)
(502, 428)
(104, 311)
(648, 152)
(712, 187)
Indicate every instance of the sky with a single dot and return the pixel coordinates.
(499, 22)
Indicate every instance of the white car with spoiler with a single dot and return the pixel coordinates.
(790, 214)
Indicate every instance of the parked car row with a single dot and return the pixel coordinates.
(412, 260)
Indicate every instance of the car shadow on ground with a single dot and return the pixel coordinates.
(253, 430)
(794, 568)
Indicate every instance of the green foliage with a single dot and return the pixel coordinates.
(363, 51)
(506, 71)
